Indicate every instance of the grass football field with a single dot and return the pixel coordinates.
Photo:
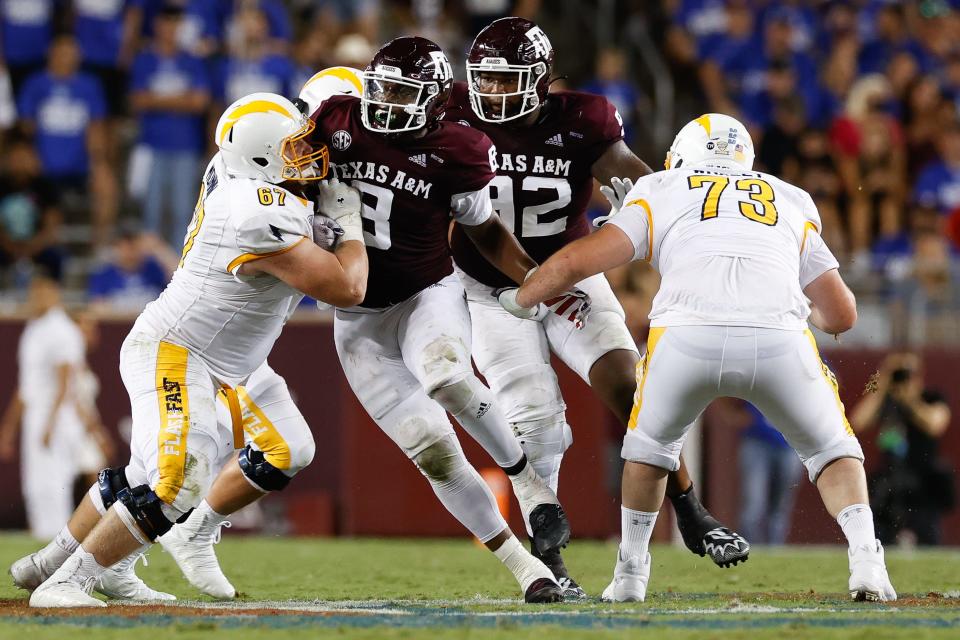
(407, 588)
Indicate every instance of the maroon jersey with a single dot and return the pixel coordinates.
(409, 187)
(543, 183)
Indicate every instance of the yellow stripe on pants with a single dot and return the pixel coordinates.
(831, 380)
(174, 407)
(642, 367)
(228, 395)
(264, 434)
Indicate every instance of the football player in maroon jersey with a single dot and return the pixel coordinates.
(549, 149)
(405, 349)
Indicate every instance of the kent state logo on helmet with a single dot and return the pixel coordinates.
(406, 87)
(713, 139)
(518, 54)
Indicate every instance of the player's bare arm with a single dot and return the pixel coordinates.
(833, 308)
(619, 162)
(500, 248)
(338, 278)
(607, 248)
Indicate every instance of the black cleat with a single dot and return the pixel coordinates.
(543, 591)
(551, 530)
(554, 562)
(705, 535)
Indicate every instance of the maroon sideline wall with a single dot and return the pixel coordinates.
(360, 484)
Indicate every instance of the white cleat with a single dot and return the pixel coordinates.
(868, 575)
(30, 572)
(630, 578)
(191, 545)
(64, 590)
(121, 582)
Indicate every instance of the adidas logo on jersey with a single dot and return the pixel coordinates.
(420, 159)
(556, 140)
(484, 407)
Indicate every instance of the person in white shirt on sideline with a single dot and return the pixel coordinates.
(49, 354)
(743, 270)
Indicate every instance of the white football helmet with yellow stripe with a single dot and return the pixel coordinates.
(713, 139)
(332, 81)
(263, 136)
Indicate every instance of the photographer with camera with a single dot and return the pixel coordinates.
(913, 487)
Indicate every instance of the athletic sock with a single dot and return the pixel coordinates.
(58, 550)
(636, 530)
(209, 515)
(524, 567)
(857, 524)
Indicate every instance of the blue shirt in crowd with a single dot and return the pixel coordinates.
(170, 131)
(237, 78)
(62, 109)
(938, 186)
(112, 282)
(761, 429)
(26, 27)
(99, 28)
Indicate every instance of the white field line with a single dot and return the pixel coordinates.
(416, 607)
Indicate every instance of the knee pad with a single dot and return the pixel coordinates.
(260, 473)
(455, 396)
(441, 461)
(543, 438)
(444, 362)
(111, 482)
(147, 511)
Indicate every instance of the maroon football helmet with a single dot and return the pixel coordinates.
(516, 56)
(406, 86)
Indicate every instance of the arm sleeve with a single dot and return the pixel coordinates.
(636, 221)
(477, 159)
(27, 104)
(98, 104)
(472, 208)
(272, 231)
(605, 126)
(138, 74)
(816, 258)
(810, 211)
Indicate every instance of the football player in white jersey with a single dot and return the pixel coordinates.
(743, 270)
(248, 259)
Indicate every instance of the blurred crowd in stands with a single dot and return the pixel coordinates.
(105, 107)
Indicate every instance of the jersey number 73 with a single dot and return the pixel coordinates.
(759, 208)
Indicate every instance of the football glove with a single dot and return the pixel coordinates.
(326, 232)
(615, 194)
(574, 305)
(341, 202)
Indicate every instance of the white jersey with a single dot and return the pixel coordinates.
(231, 321)
(733, 247)
(47, 342)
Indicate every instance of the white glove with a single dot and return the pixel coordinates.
(341, 202)
(507, 297)
(326, 232)
(574, 305)
(615, 194)
(337, 199)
